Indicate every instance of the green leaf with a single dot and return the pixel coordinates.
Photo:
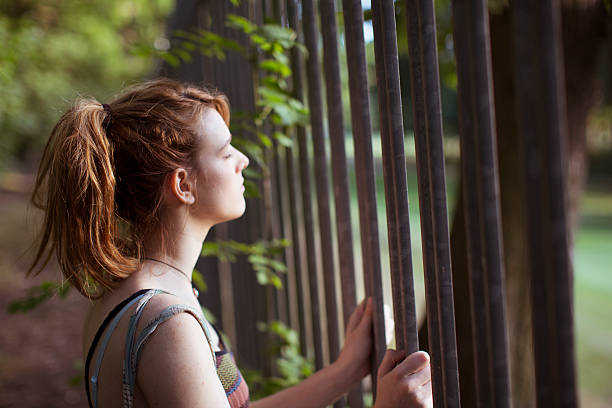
(170, 59)
(184, 55)
(198, 281)
(275, 280)
(272, 95)
(265, 140)
(37, 295)
(262, 277)
(275, 66)
(208, 315)
(277, 33)
(283, 140)
(252, 173)
(260, 41)
(210, 249)
(258, 259)
(251, 190)
(285, 115)
(240, 23)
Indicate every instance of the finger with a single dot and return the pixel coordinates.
(427, 394)
(414, 363)
(365, 325)
(422, 395)
(390, 360)
(420, 378)
(356, 316)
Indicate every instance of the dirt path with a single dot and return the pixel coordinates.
(40, 351)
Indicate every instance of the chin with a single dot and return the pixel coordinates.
(239, 212)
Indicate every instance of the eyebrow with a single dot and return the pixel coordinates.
(228, 141)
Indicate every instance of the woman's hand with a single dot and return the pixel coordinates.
(355, 355)
(404, 382)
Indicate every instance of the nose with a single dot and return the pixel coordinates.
(244, 163)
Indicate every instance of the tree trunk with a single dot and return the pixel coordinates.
(584, 31)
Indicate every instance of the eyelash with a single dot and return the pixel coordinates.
(227, 156)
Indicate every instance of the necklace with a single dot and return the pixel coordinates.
(196, 293)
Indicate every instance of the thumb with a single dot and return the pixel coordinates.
(356, 316)
(390, 360)
(365, 325)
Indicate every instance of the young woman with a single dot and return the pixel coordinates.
(130, 190)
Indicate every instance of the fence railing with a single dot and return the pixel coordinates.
(321, 259)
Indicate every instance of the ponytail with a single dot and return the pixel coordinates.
(75, 186)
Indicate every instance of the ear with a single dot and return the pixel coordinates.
(181, 186)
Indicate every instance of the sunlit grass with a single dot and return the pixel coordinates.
(593, 295)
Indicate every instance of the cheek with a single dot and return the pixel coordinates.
(211, 185)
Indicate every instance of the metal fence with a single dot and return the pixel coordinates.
(303, 204)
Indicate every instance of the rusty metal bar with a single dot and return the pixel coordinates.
(542, 119)
(425, 86)
(312, 278)
(293, 186)
(427, 239)
(280, 190)
(366, 179)
(481, 202)
(394, 167)
(313, 79)
(335, 123)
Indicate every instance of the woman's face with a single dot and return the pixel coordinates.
(219, 185)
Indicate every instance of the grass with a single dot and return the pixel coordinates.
(593, 295)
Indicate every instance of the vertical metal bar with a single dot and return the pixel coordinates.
(394, 166)
(425, 87)
(542, 114)
(313, 77)
(481, 202)
(418, 107)
(335, 123)
(280, 193)
(293, 187)
(366, 179)
(271, 13)
(307, 202)
(468, 126)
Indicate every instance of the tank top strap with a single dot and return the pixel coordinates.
(135, 343)
(106, 328)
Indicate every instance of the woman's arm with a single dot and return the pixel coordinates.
(319, 390)
(327, 385)
(402, 381)
(177, 368)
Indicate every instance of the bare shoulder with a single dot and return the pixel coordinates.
(178, 348)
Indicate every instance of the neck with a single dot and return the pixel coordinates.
(180, 248)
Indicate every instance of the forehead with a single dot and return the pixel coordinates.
(212, 130)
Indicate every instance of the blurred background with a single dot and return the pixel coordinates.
(55, 50)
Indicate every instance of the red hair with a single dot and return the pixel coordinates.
(101, 176)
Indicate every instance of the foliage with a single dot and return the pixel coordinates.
(37, 295)
(52, 50)
(261, 255)
(291, 365)
(267, 52)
